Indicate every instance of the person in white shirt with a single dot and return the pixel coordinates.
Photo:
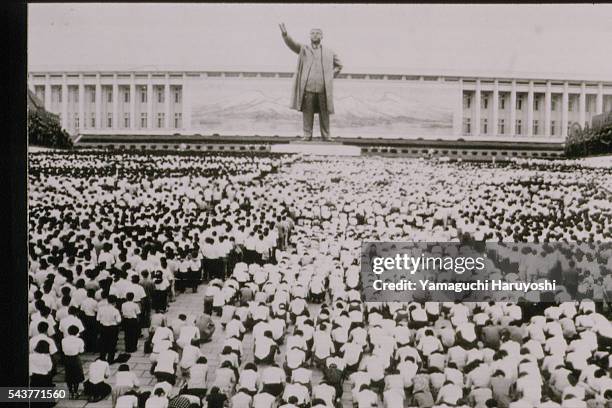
(157, 399)
(96, 387)
(40, 365)
(73, 346)
(125, 381)
(273, 380)
(265, 349)
(225, 378)
(242, 399)
(325, 392)
(70, 319)
(43, 328)
(109, 318)
(160, 294)
(323, 346)
(296, 395)
(187, 334)
(127, 400)
(196, 382)
(249, 381)
(264, 400)
(130, 312)
(165, 368)
(89, 309)
(190, 355)
(366, 398)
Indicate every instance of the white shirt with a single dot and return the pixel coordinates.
(241, 400)
(273, 375)
(34, 342)
(157, 402)
(98, 371)
(40, 363)
(263, 400)
(190, 356)
(127, 401)
(166, 361)
(197, 376)
(263, 345)
(249, 380)
(126, 379)
(73, 345)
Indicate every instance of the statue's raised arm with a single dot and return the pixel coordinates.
(293, 45)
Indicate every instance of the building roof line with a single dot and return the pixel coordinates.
(38, 70)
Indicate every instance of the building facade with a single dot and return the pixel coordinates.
(367, 105)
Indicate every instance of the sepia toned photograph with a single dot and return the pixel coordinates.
(319, 205)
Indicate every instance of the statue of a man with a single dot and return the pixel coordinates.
(313, 81)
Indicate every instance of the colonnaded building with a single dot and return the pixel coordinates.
(433, 106)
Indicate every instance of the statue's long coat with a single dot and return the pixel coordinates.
(305, 61)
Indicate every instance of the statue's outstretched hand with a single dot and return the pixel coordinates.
(283, 28)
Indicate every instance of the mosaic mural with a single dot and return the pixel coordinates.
(366, 108)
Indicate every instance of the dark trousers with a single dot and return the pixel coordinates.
(160, 300)
(315, 102)
(208, 304)
(145, 314)
(108, 342)
(163, 376)
(132, 332)
(273, 389)
(97, 391)
(91, 332)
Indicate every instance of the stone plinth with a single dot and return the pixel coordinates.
(317, 148)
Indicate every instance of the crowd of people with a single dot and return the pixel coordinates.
(591, 141)
(272, 245)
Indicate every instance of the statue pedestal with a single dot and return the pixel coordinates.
(317, 148)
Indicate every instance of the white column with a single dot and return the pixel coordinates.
(530, 109)
(547, 108)
(64, 106)
(185, 104)
(599, 102)
(458, 123)
(116, 119)
(47, 100)
(150, 99)
(477, 124)
(81, 103)
(133, 102)
(495, 119)
(564, 110)
(167, 118)
(513, 109)
(98, 104)
(582, 104)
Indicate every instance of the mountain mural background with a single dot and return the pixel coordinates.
(363, 108)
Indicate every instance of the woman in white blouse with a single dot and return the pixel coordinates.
(73, 346)
(40, 366)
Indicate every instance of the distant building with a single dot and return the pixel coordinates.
(195, 102)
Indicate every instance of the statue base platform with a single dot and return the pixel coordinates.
(317, 148)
